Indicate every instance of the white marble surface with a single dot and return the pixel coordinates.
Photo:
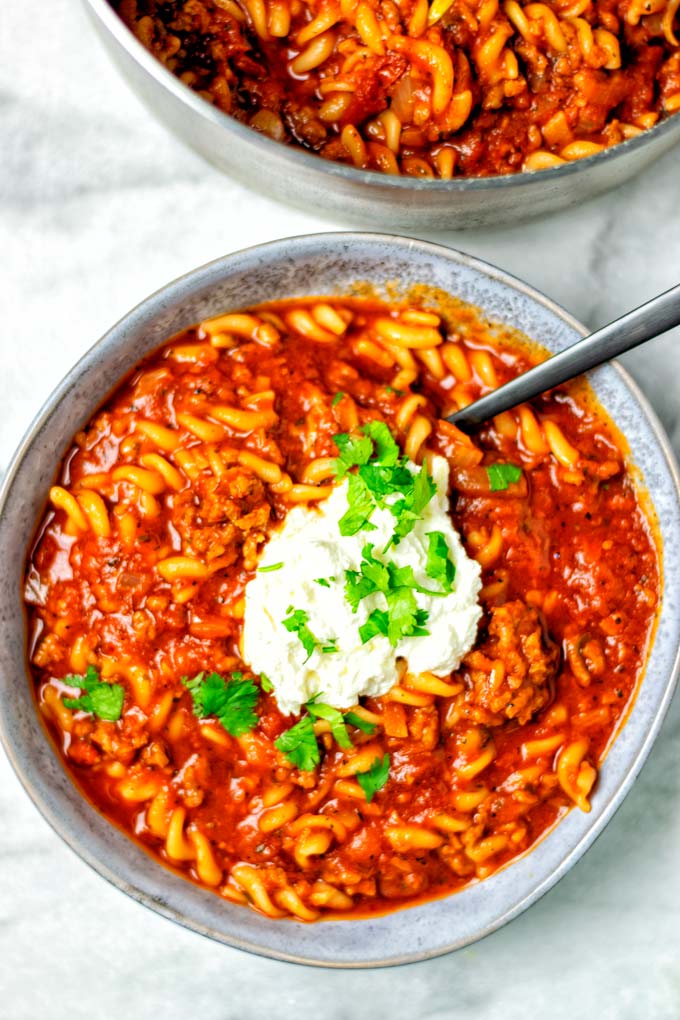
(98, 207)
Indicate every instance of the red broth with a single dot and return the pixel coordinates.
(157, 522)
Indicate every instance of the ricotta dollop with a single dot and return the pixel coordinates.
(310, 548)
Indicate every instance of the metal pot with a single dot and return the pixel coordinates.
(359, 196)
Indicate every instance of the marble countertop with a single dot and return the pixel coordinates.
(98, 207)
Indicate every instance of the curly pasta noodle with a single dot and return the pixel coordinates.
(164, 503)
(433, 89)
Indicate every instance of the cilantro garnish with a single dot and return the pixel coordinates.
(398, 585)
(376, 777)
(101, 699)
(336, 399)
(232, 701)
(325, 582)
(299, 743)
(268, 570)
(381, 473)
(333, 717)
(296, 622)
(439, 565)
(386, 450)
(353, 450)
(501, 475)
(300, 746)
(266, 684)
(352, 719)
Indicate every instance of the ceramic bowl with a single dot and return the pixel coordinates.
(360, 196)
(318, 265)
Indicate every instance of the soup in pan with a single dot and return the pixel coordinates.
(426, 88)
(310, 644)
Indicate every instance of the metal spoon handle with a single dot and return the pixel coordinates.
(649, 320)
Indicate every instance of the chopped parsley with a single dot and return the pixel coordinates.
(352, 719)
(398, 585)
(439, 565)
(299, 743)
(296, 623)
(360, 506)
(354, 450)
(232, 701)
(100, 699)
(381, 473)
(300, 746)
(268, 570)
(325, 582)
(266, 684)
(376, 777)
(502, 475)
(318, 710)
(337, 398)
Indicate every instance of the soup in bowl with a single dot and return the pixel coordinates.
(308, 645)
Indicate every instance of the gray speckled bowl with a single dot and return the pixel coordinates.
(321, 264)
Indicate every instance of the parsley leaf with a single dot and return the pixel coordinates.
(360, 506)
(268, 570)
(296, 623)
(398, 586)
(353, 450)
(101, 699)
(376, 777)
(439, 565)
(501, 475)
(352, 719)
(232, 702)
(325, 582)
(382, 472)
(336, 399)
(266, 684)
(386, 450)
(319, 710)
(300, 746)
(377, 623)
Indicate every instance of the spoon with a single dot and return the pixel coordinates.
(644, 323)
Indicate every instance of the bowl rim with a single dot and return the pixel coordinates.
(267, 147)
(152, 305)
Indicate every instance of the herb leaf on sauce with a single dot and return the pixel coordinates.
(232, 701)
(266, 684)
(376, 777)
(100, 699)
(352, 719)
(502, 475)
(300, 746)
(354, 450)
(318, 710)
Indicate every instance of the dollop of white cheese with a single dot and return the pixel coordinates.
(310, 547)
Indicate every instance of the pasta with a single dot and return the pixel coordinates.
(159, 517)
(434, 89)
